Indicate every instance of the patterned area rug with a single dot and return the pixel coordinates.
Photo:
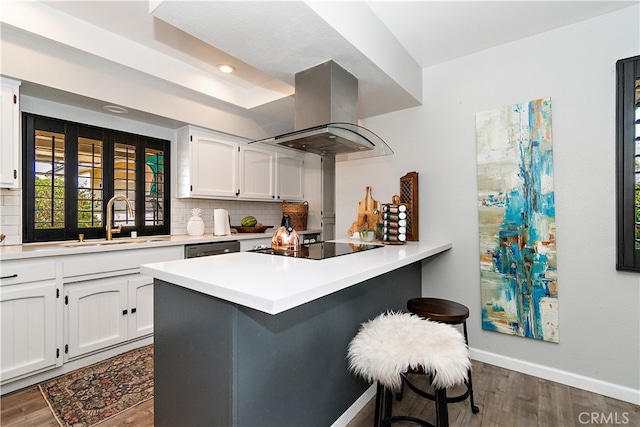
(90, 395)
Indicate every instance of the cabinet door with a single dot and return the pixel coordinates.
(257, 173)
(140, 306)
(9, 134)
(28, 328)
(96, 314)
(214, 166)
(289, 177)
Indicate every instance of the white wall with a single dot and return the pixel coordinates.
(599, 321)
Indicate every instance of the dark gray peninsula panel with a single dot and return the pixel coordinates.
(218, 363)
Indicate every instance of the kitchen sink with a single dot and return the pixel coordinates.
(90, 243)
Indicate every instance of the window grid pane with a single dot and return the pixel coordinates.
(49, 180)
(90, 173)
(124, 173)
(154, 187)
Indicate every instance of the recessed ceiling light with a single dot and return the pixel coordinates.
(116, 109)
(226, 68)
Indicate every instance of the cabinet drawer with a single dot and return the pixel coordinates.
(27, 271)
(80, 265)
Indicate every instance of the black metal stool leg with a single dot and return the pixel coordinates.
(469, 382)
(380, 390)
(388, 401)
(442, 413)
(399, 394)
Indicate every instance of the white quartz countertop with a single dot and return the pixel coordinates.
(38, 250)
(273, 284)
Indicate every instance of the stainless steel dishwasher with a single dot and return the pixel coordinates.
(210, 249)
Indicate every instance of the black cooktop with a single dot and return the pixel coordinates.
(321, 250)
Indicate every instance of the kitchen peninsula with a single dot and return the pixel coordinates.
(249, 339)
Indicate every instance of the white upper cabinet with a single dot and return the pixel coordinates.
(289, 176)
(217, 166)
(10, 134)
(207, 164)
(257, 173)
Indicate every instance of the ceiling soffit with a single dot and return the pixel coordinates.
(35, 18)
(284, 38)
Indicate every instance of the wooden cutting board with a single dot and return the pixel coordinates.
(368, 214)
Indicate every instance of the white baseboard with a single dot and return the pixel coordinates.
(354, 409)
(593, 385)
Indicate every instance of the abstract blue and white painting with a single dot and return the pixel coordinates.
(519, 287)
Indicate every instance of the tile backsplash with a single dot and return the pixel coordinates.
(11, 216)
(268, 213)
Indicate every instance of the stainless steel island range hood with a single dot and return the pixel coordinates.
(326, 116)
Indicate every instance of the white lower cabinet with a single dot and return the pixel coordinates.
(73, 308)
(140, 291)
(106, 312)
(28, 328)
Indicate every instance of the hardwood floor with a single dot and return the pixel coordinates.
(506, 399)
(27, 408)
(511, 399)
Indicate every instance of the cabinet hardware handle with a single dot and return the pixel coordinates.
(11, 276)
(124, 312)
(238, 193)
(133, 310)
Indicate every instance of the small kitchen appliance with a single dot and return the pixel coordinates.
(285, 238)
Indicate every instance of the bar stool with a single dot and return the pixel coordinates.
(451, 313)
(390, 345)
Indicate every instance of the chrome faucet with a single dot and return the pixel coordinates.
(111, 231)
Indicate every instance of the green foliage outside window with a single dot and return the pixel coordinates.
(49, 206)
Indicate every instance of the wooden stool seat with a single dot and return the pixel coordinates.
(452, 313)
(439, 310)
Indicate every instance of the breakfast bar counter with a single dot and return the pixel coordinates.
(250, 339)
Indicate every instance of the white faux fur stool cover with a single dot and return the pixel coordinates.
(393, 343)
